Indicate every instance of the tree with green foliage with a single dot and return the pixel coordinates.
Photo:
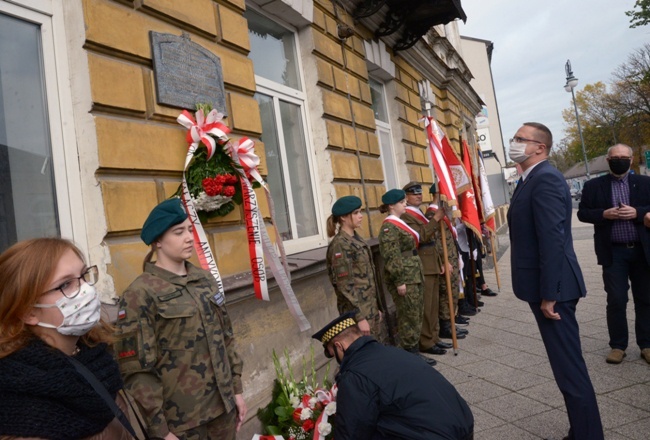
(640, 17)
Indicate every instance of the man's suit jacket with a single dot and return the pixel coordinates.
(597, 197)
(544, 264)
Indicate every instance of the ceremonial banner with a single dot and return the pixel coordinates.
(486, 196)
(459, 174)
(446, 185)
(468, 206)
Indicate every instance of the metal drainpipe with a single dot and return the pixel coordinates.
(354, 125)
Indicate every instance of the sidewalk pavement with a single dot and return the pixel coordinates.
(502, 370)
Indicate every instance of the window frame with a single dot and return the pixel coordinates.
(390, 168)
(296, 97)
(49, 16)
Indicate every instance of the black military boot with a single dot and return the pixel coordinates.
(445, 330)
(416, 351)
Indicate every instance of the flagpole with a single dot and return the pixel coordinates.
(494, 257)
(450, 296)
(422, 86)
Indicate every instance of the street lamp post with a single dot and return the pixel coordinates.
(571, 83)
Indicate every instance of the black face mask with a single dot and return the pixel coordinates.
(619, 166)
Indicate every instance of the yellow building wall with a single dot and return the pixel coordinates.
(141, 148)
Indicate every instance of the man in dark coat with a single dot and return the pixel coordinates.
(616, 204)
(388, 393)
(546, 274)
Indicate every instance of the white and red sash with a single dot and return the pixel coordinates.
(433, 208)
(416, 213)
(398, 222)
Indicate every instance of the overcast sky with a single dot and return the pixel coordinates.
(533, 40)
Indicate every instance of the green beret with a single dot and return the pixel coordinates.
(162, 217)
(335, 327)
(413, 188)
(433, 189)
(346, 205)
(393, 196)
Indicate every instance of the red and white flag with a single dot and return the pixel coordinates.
(468, 205)
(438, 144)
(486, 196)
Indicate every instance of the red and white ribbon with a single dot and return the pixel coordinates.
(201, 244)
(243, 153)
(254, 227)
(393, 219)
(415, 212)
(199, 130)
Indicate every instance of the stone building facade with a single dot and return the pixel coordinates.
(330, 116)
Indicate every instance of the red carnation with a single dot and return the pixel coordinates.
(220, 179)
(228, 191)
(308, 425)
(210, 187)
(231, 179)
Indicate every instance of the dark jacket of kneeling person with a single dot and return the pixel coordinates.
(387, 393)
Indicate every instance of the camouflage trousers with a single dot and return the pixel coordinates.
(444, 312)
(430, 319)
(409, 314)
(221, 428)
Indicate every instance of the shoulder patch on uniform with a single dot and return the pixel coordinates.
(342, 274)
(127, 346)
(337, 255)
(121, 314)
(385, 229)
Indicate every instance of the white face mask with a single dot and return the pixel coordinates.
(517, 152)
(80, 313)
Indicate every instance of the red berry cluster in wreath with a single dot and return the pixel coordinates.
(222, 184)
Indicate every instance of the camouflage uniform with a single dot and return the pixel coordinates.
(352, 274)
(402, 265)
(452, 257)
(176, 352)
(431, 269)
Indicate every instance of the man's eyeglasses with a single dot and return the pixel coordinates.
(71, 287)
(520, 140)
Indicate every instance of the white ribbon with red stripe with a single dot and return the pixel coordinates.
(415, 212)
(201, 244)
(393, 219)
(199, 130)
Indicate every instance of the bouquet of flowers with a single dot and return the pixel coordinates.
(301, 410)
(213, 182)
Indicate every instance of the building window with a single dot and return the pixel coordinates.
(33, 199)
(383, 133)
(284, 130)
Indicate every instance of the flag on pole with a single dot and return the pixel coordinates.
(446, 181)
(486, 196)
(468, 206)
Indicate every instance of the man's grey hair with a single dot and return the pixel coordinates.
(631, 151)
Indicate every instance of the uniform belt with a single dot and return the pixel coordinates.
(629, 244)
(411, 253)
(426, 244)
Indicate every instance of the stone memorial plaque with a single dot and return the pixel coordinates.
(186, 73)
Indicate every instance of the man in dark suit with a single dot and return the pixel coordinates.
(616, 205)
(546, 274)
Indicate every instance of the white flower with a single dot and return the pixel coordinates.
(330, 409)
(306, 414)
(294, 401)
(324, 428)
(206, 203)
(312, 402)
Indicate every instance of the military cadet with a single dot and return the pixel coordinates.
(350, 266)
(398, 244)
(445, 310)
(176, 348)
(432, 267)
